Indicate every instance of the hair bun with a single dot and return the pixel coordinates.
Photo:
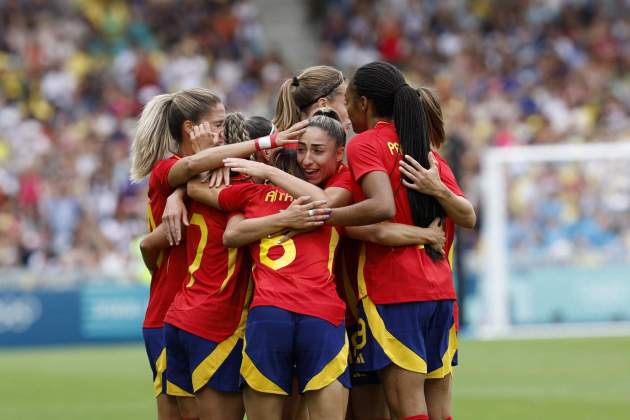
(296, 81)
(327, 112)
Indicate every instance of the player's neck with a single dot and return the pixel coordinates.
(373, 121)
(185, 149)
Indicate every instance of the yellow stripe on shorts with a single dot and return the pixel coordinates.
(160, 368)
(399, 353)
(331, 371)
(447, 357)
(256, 379)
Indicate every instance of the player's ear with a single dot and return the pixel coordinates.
(339, 153)
(187, 127)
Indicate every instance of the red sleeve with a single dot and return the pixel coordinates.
(447, 176)
(342, 179)
(234, 198)
(364, 157)
(159, 176)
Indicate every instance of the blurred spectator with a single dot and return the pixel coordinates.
(511, 73)
(73, 77)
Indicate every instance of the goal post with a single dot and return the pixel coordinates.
(524, 290)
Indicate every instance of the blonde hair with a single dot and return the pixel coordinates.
(159, 130)
(433, 111)
(302, 91)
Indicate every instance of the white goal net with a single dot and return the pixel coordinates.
(556, 240)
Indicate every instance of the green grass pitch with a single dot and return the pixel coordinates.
(537, 379)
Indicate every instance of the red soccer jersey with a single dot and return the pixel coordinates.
(394, 274)
(448, 178)
(167, 278)
(345, 265)
(297, 275)
(210, 304)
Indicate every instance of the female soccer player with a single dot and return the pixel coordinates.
(154, 138)
(296, 317)
(168, 124)
(409, 313)
(203, 326)
(320, 153)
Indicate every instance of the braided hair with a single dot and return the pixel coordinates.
(385, 86)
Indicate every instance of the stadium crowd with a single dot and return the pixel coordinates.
(507, 73)
(70, 95)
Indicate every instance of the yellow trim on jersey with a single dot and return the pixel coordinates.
(240, 330)
(447, 357)
(197, 219)
(332, 248)
(151, 226)
(451, 253)
(160, 368)
(399, 353)
(360, 277)
(232, 254)
(174, 390)
(150, 219)
(332, 370)
(255, 378)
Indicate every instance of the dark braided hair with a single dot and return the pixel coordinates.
(235, 129)
(385, 86)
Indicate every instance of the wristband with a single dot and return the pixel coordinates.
(267, 142)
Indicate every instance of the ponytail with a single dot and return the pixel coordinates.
(153, 139)
(159, 129)
(299, 93)
(385, 86)
(287, 112)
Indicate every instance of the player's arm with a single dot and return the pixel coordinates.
(199, 191)
(428, 181)
(152, 245)
(399, 234)
(295, 186)
(300, 215)
(212, 158)
(378, 206)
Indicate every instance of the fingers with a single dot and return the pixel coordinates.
(406, 172)
(226, 176)
(177, 229)
(437, 222)
(197, 130)
(315, 204)
(185, 216)
(169, 234)
(409, 185)
(299, 125)
(301, 200)
(414, 163)
(213, 179)
(294, 136)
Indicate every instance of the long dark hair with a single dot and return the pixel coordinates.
(385, 86)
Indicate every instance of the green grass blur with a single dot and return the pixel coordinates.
(537, 379)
